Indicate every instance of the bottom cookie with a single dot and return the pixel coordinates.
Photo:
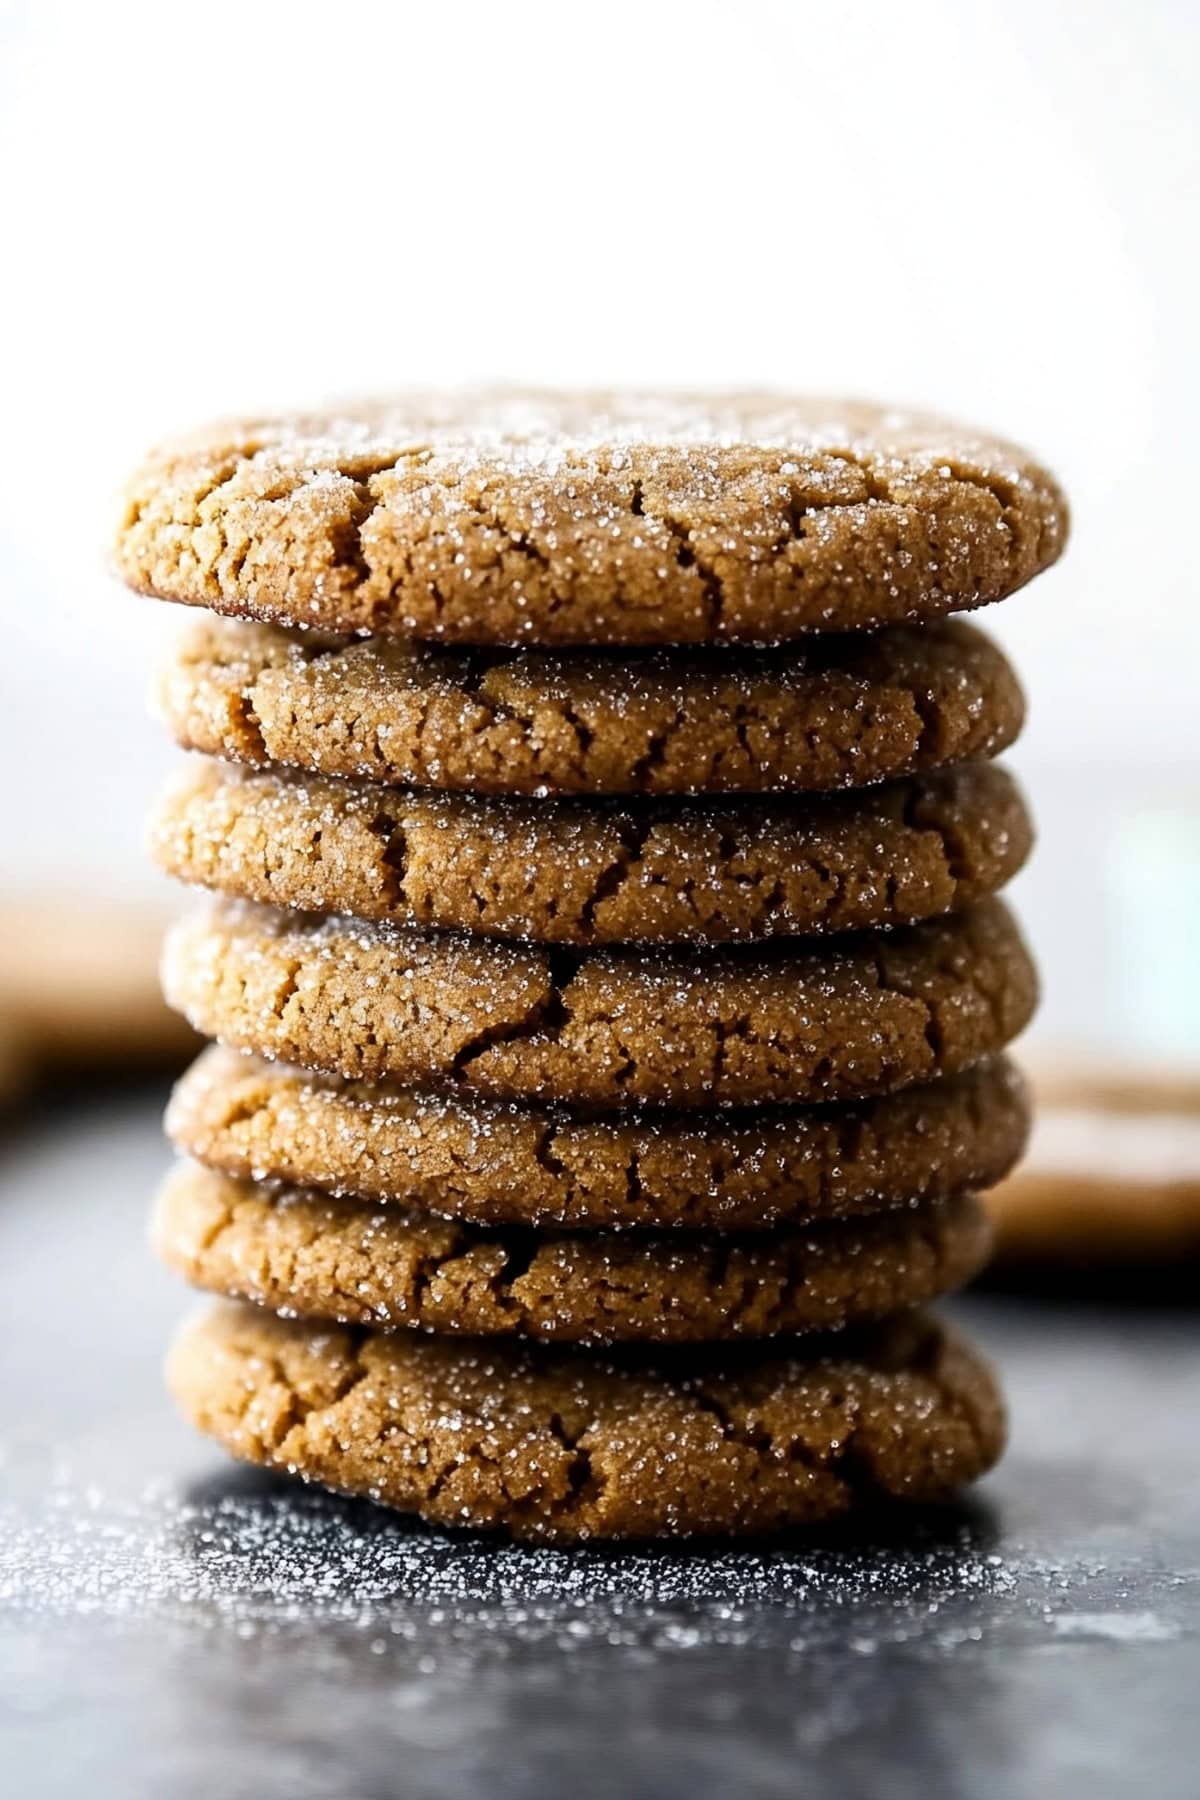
(569, 1447)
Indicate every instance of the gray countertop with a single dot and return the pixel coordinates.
(173, 1625)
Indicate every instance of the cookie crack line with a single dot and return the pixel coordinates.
(544, 1017)
(609, 883)
(839, 1456)
(686, 557)
(299, 1409)
(286, 1443)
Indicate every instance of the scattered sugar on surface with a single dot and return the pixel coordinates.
(262, 1561)
(265, 1561)
(1115, 1627)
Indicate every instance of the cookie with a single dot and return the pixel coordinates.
(564, 1446)
(14, 1068)
(594, 872)
(829, 713)
(781, 1023)
(511, 1165)
(1113, 1174)
(505, 518)
(309, 1254)
(79, 990)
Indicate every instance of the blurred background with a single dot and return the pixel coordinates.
(988, 210)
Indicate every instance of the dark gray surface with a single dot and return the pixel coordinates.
(171, 1625)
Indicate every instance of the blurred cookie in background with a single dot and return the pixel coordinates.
(79, 993)
(1112, 1175)
(14, 1068)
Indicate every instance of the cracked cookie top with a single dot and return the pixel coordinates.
(547, 518)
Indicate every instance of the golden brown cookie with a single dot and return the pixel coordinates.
(828, 713)
(565, 1446)
(79, 989)
(1113, 1172)
(594, 872)
(504, 518)
(512, 1165)
(314, 1256)
(786, 1023)
(15, 1072)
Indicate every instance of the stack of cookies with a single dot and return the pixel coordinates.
(607, 979)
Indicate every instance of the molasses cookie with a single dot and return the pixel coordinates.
(1113, 1173)
(567, 1446)
(830, 712)
(507, 517)
(594, 872)
(494, 1164)
(79, 990)
(773, 1023)
(312, 1255)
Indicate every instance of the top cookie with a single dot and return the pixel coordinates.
(543, 518)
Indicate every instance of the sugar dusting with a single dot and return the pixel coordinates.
(1115, 1627)
(551, 431)
(258, 1559)
(253, 1559)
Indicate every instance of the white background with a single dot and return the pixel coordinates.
(987, 209)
